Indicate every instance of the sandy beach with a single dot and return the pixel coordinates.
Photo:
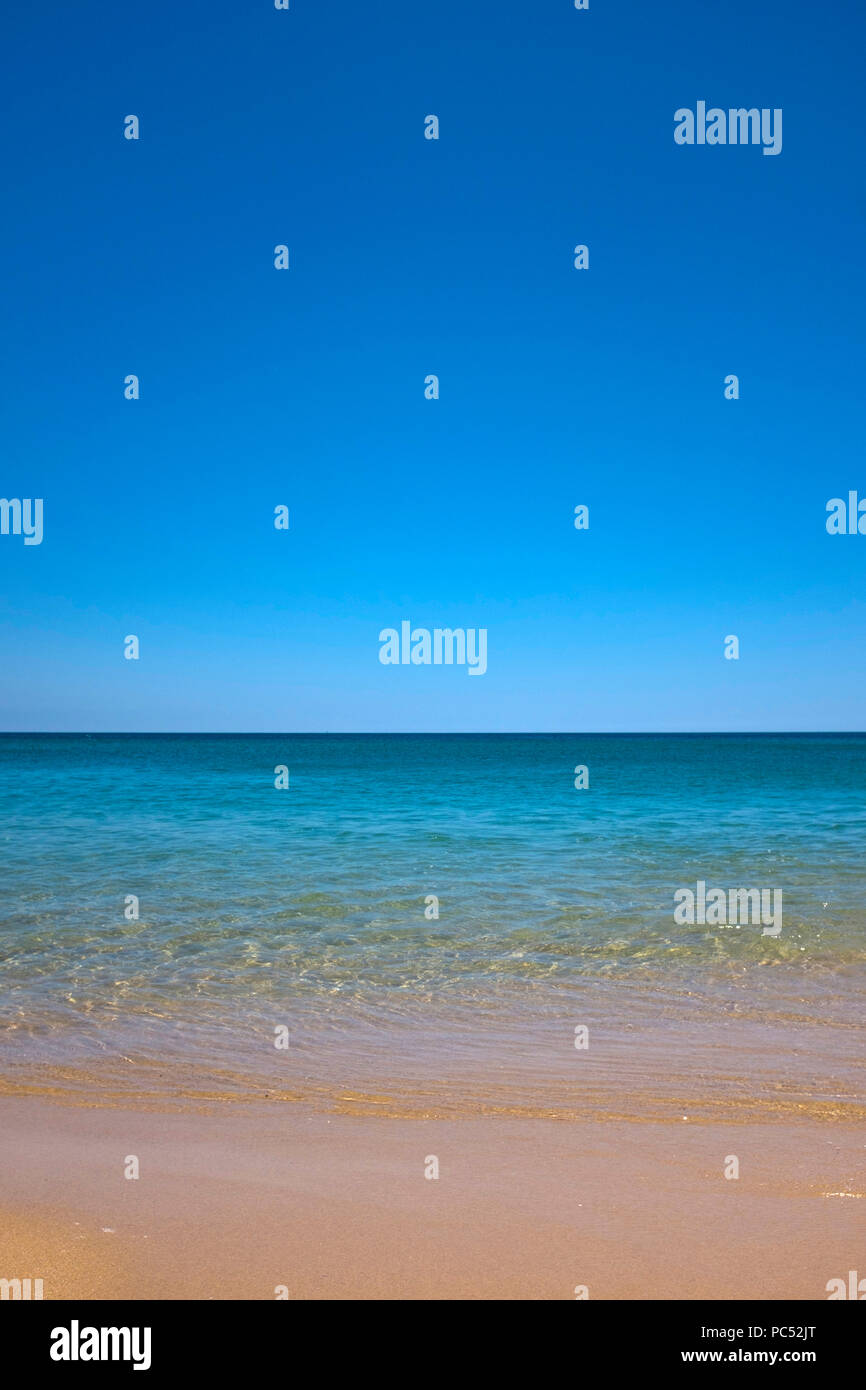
(430, 1029)
(245, 1201)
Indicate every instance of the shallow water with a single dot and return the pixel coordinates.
(305, 908)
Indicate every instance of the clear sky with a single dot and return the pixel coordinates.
(409, 257)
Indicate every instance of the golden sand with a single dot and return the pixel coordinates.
(249, 1201)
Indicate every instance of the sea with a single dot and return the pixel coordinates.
(434, 924)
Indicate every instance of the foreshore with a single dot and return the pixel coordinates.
(278, 1199)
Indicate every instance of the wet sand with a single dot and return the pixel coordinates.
(240, 1201)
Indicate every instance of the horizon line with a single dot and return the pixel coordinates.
(427, 733)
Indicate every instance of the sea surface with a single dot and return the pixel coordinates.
(285, 943)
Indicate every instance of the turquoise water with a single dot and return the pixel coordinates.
(306, 906)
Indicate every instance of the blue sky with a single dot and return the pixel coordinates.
(410, 257)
